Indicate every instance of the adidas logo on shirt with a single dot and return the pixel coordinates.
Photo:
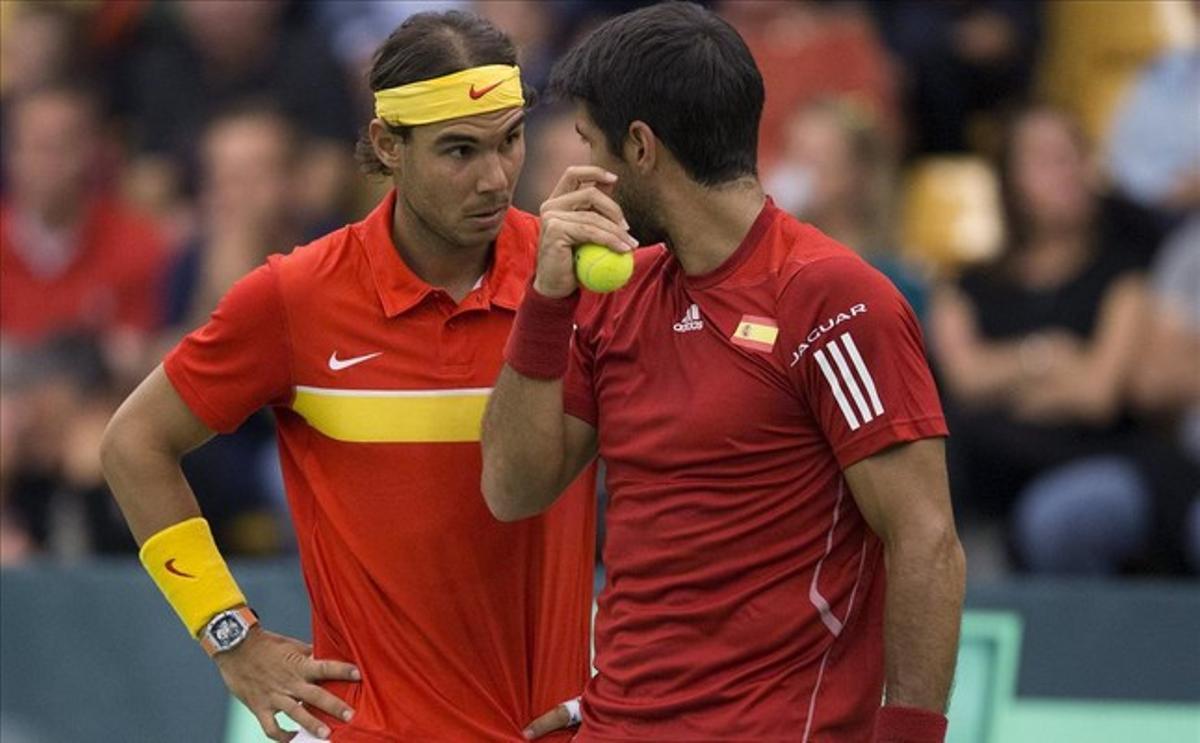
(690, 321)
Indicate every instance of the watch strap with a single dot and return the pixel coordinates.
(244, 614)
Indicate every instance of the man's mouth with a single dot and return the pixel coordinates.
(488, 213)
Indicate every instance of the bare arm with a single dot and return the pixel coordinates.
(977, 371)
(1173, 380)
(531, 449)
(1043, 376)
(904, 495)
(1087, 383)
(140, 452)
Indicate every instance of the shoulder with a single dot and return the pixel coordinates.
(817, 267)
(316, 259)
(795, 248)
(824, 284)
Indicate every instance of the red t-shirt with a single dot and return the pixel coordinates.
(744, 595)
(465, 628)
(113, 280)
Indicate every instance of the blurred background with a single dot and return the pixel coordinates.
(1028, 173)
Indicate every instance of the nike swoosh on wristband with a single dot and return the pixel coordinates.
(170, 566)
(477, 94)
(337, 364)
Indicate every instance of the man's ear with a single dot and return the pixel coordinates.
(641, 147)
(387, 145)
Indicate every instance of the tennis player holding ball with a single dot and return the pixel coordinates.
(781, 553)
(375, 347)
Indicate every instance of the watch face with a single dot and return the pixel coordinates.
(226, 631)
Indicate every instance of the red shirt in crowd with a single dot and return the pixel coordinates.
(465, 628)
(744, 595)
(106, 276)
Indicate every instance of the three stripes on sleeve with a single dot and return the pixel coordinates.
(858, 383)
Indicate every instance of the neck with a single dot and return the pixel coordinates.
(438, 262)
(706, 225)
(1050, 260)
(57, 215)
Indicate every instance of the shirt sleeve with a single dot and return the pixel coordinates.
(579, 391)
(240, 360)
(857, 360)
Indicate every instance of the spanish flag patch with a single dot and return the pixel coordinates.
(756, 333)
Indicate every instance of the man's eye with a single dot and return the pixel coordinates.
(461, 152)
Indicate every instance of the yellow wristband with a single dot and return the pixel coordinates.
(183, 560)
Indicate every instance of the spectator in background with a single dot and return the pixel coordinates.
(1035, 352)
(40, 43)
(60, 395)
(553, 145)
(80, 274)
(963, 60)
(1091, 52)
(355, 28)
(16, 542)
(1154, 153)
(1168, 389)
(249, 160)
(531, 24)
(837, 171)
(808, 50)
(74, 258)
(222, 51)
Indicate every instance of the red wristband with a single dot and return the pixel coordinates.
(909, 725)
(540, 341)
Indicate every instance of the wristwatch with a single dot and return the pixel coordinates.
(227, 630)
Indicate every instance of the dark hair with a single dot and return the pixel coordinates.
(1016, 220)
(683, 71)
(256, 108)
(429, 45)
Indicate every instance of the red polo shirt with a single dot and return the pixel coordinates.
(465, 628)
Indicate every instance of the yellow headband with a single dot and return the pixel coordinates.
(478, 90)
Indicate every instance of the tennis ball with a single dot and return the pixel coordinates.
(602, 269)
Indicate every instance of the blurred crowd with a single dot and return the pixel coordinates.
(1028, 174)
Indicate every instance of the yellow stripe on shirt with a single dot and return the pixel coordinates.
(394, 416)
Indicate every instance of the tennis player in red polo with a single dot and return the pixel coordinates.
(781, 554)
(376, 347)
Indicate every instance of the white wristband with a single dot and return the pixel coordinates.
(574, 716)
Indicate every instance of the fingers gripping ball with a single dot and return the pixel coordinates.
(602, 269)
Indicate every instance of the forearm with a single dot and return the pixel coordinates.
(987, 373)
(1091, 382)
(978, 370)
(1173, 380)
(524, 458)
(146, 482)
(925, 585)
(140, 454)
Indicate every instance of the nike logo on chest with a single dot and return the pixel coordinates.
(337, 364)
